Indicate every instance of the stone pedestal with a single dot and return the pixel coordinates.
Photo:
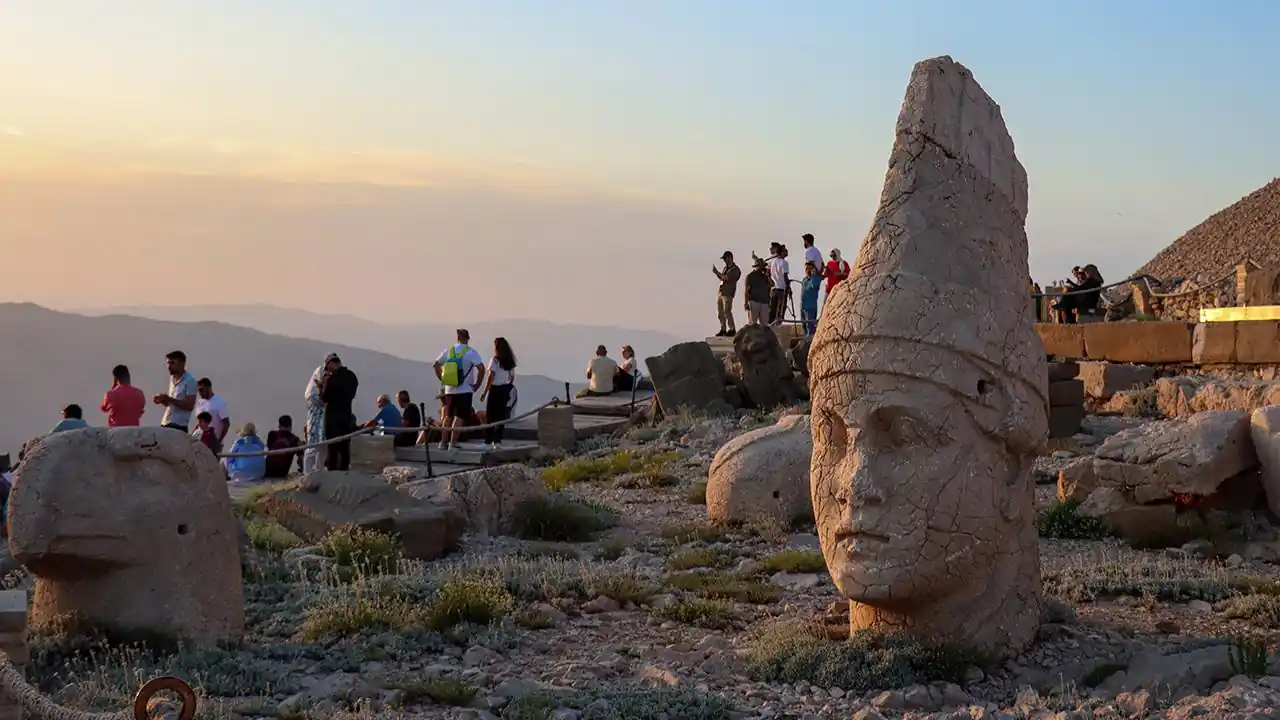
(1066, 400)
(372, 453)
(555, 427)
(13, 642)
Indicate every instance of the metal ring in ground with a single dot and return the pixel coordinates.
(168, 682)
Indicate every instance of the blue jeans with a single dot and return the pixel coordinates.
(809, 314)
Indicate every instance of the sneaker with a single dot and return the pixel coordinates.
(442, 446)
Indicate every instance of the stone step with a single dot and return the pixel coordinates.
(470, 453)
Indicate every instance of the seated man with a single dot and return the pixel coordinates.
(388, 415)
(72, 419)
(282, 438)
(601, 372)
(410, 417)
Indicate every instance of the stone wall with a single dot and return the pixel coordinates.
(13, 642)
(1247, 342)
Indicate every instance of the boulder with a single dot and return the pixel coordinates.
(766, 373)
(1076, 480)
(486, 497)
(129, 529)
(800, 355)
(1265, 431)
(1102, 380)
(688, 375)
(1184, 396)
(1169, 457)
(1142, 526)
(763, 475)
(329, 499)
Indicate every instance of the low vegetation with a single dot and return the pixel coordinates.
(725, 586)
(365, 551)
(793, 561)
(1164, 579)
(558, 518)
(696, 494)
(608, 467)
(702, 557)
(1063, 521)
(709, 614)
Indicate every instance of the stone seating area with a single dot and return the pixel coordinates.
(1246, 342)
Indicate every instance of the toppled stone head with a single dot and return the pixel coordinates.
(129, 529)
(929, 386)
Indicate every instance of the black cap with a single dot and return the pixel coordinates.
(727, 255)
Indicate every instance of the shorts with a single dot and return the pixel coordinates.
(459, 405)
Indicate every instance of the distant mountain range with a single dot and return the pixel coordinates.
(542, 348)
(49, 359)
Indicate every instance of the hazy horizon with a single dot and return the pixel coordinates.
(576, 162)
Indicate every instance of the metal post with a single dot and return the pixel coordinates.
(426, 438)
(635, 383)
(567, 400)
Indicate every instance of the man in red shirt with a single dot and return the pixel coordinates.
(123, 403)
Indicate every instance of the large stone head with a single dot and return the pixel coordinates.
(928, 381)
(130, 528)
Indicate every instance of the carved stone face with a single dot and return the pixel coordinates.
(907, 490)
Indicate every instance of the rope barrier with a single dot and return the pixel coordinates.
(367, 430)
(39, 707)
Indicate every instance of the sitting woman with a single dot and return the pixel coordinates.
(1078, 296)
(247, 469)
(628, 374)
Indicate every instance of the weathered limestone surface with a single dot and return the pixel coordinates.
(1258, 341)
(1181, 397)
(131, 529)
(1265, 430)
(929, 386)
(689, 375)
(329, 499)
(1102, 380)
(486, 497)
(372, 453)
(1064, 341)
(1076, 480)
(1213, 343)
(1158, 460)
(763, 474)
(764, 370)
(1138, 342)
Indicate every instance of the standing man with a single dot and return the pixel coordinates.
(454, 369)
(123, 403)
(758, 290)
(338, 391)
(216, 407)
(780, 275)
(282, 438)
(410, 417)
(181, 400)
(728, 278)
(812, 254)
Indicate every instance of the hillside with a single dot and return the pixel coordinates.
(543, 348)
(49, 359)
(1249, 228)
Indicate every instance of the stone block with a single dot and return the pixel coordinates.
(1213, 343)
(1066, 393)
(1065, 421)
(13, 612)
(1102, 380)
(1138, 342)
(1258, 341)
(555, 427)
(1065, 341)
(1064, 371)
(372, 453)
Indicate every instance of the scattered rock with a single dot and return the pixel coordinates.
(763, 475)
(487, 497)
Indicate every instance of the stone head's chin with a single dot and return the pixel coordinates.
(872, 580)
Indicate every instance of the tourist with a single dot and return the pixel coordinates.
(811, 253)
(1078, 297)
(628, 375)
(837, 270)
(124, 404)
(780, 275)
(244, 465)
(313, 434)
(410, 417)
(72, 419)
(215, 406)
(810, 287)
(728, 278)
(388, 415)
(205, 433)
(338, 389)
(499, 390)
(758, 291)
(455, 369)
(181, 400)
(600, 372)
(282, 438)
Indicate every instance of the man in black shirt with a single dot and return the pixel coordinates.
(410, 417)
(282, 438)
(338, 392)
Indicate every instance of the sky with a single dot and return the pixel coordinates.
(577, 160)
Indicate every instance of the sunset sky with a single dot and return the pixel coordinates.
(577, 160)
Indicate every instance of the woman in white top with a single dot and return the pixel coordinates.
(499, 389)
(629, 373)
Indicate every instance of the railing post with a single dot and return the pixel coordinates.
(426, 438)
(567, 400)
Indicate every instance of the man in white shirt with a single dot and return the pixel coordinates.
(812, 254)
(459, 403)
(780, 274)
(215, 406)
(600, 372)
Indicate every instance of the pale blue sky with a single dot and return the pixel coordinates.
(1135, 118)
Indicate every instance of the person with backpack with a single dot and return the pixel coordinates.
(461, 370)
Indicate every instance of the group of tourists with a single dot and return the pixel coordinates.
(767, 288)
(1081, 295)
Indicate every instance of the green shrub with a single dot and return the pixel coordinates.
(1250, 656)
(696, 494)
(691, 532)
(1063, 521)
(554, 551)
(624, 589)
(570, 472)
(366, 551)
(474, 598)
(560, 519)
(441, 691)
(1167, 579)
(268, 535)
(610, 550)
(1259, 610)
(725, 586)
(794, 561)
(660, 704)
(710, 614)
(787, 653)
(698, 558)
(348, 614)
